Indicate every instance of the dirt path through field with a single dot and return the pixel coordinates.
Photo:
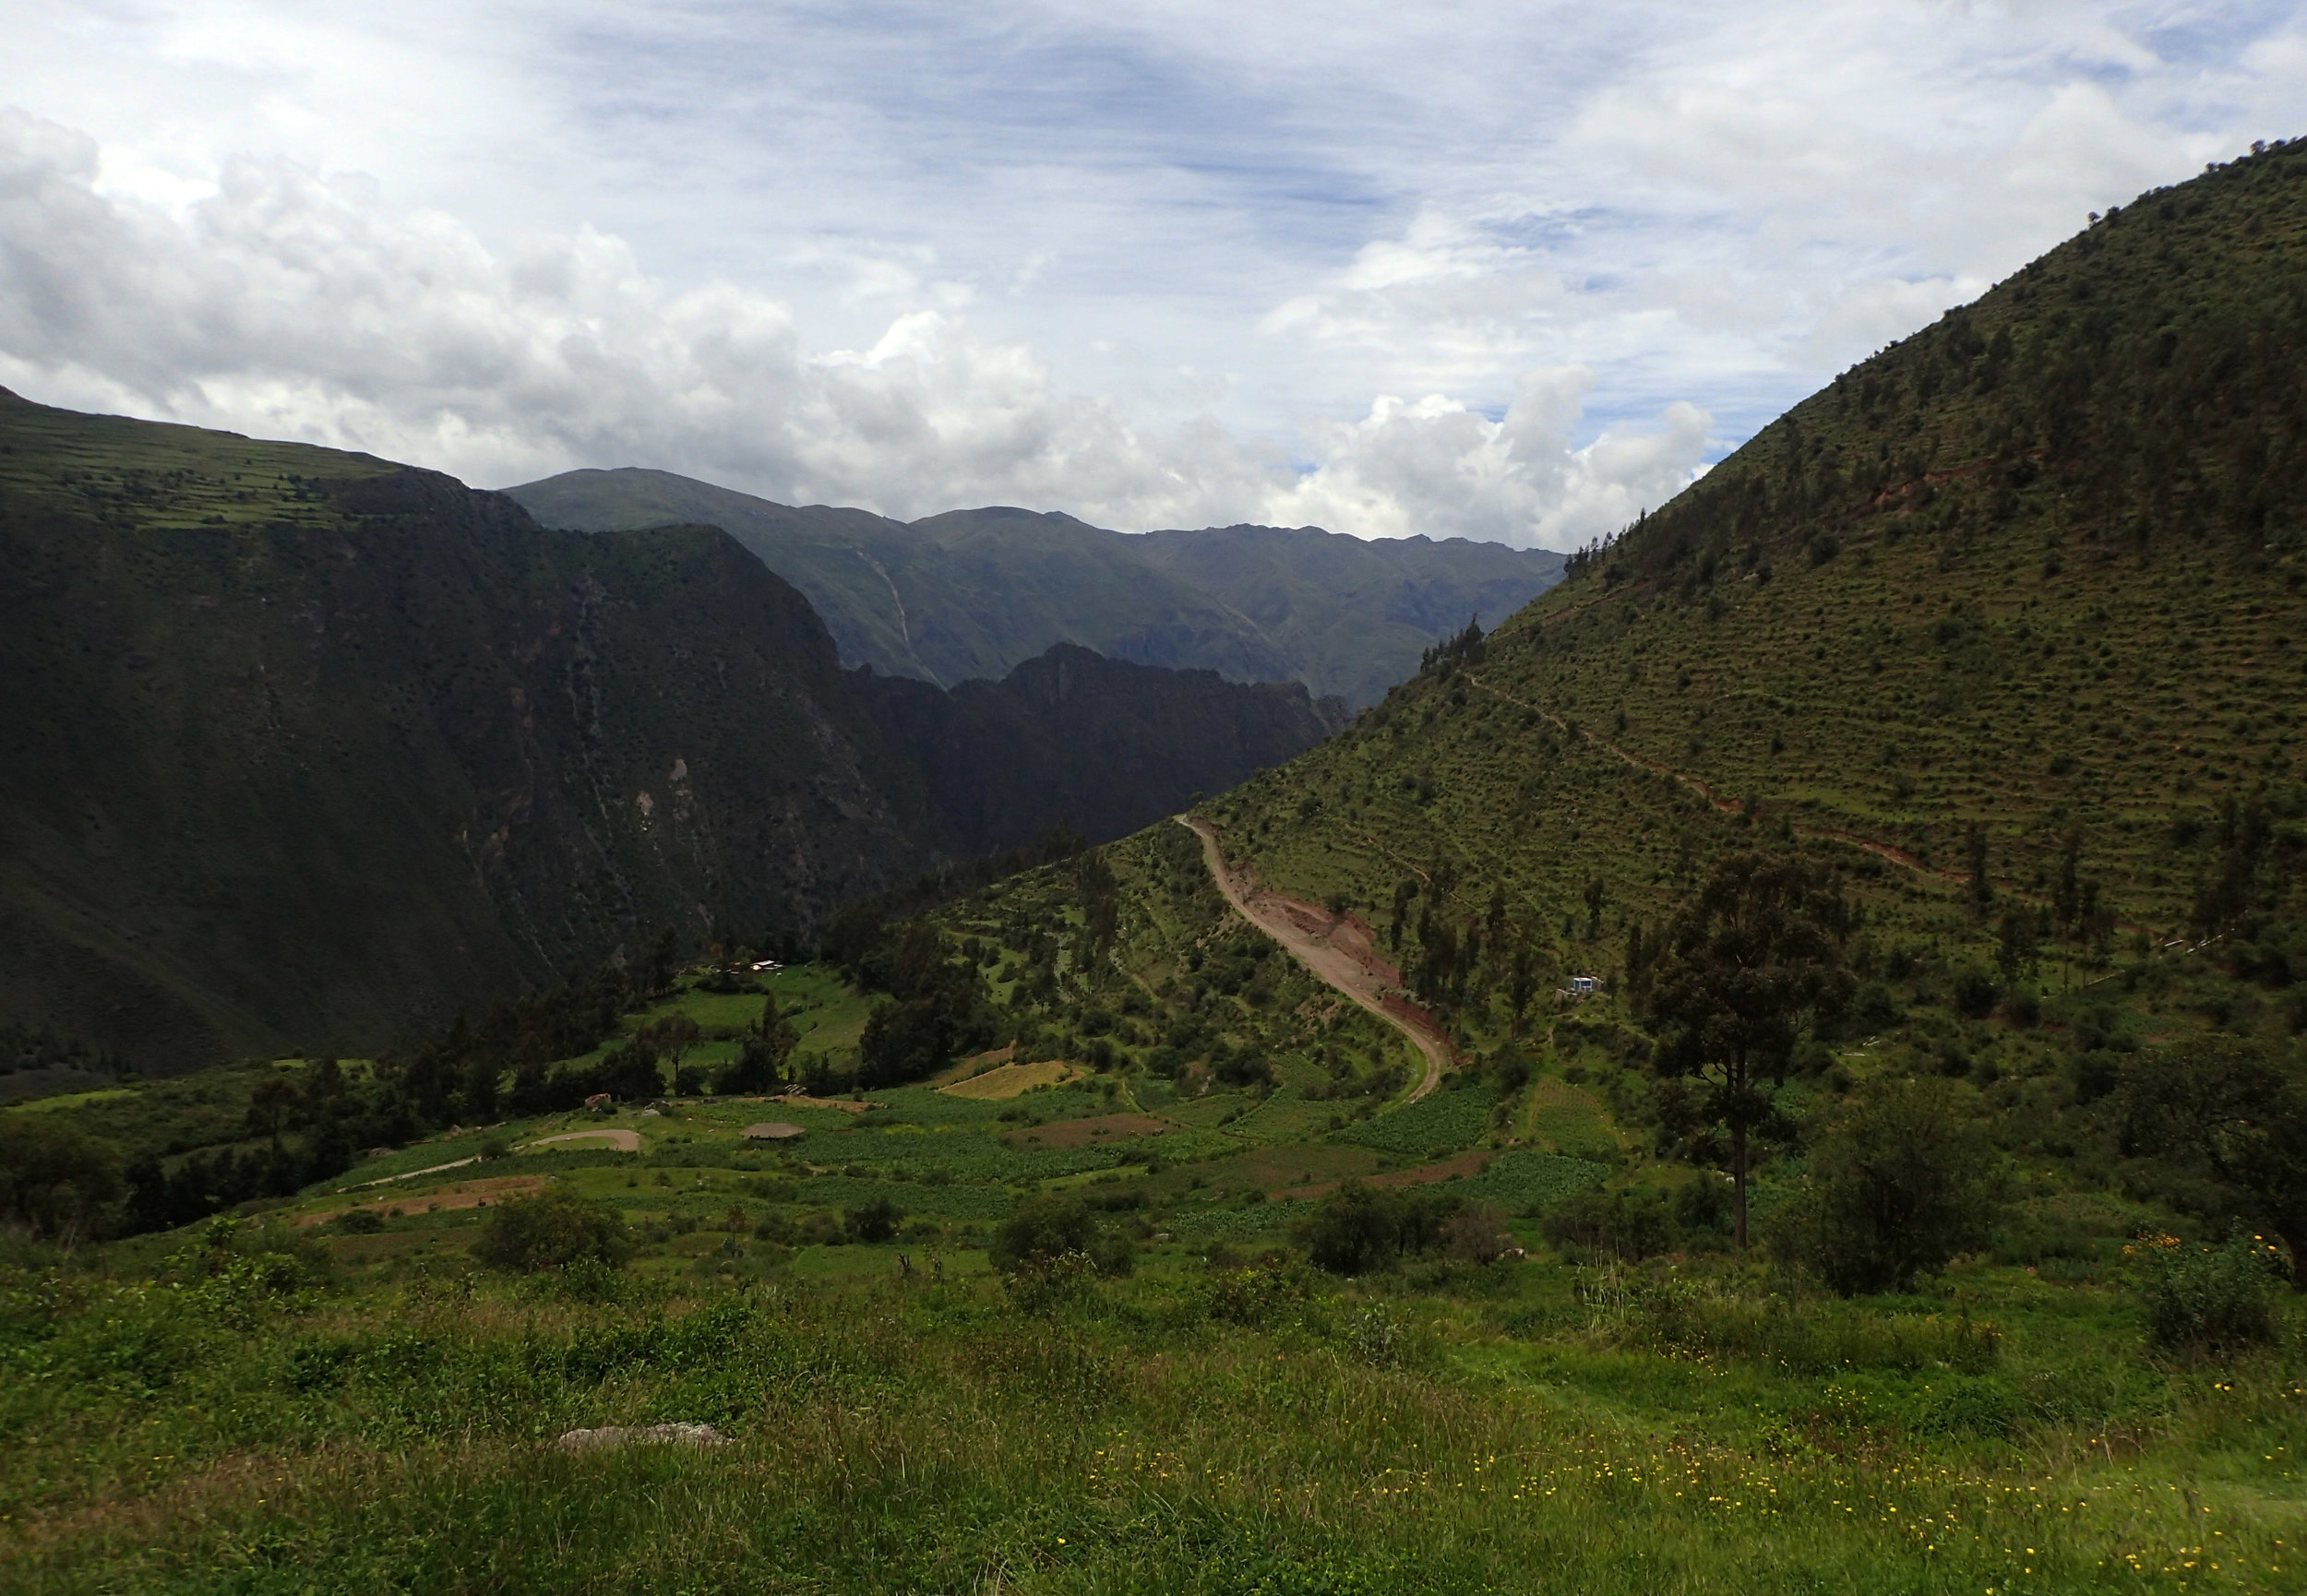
(411, 1175)
(1336, 948)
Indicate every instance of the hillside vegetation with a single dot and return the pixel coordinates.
(361, 1385)
(2028, 589)
(971, 593)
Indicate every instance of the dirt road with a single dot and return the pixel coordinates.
(411, 1175)
(1337, 948)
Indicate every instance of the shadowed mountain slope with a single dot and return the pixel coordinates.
(1357, 614)
(971, 593)
(306, 749)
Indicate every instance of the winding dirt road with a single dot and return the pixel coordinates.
(1337, 948)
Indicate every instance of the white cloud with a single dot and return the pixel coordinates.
(1143, 260)
(299, 307)
(1435, 467)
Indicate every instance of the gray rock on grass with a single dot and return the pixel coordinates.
(644, 1434)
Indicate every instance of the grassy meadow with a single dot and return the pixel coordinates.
(248, 1420)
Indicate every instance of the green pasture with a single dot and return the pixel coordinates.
(248, 1420)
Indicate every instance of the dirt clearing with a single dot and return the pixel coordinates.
(802, 1100)
(623, 1140)
(472, 1194)
(1011, 1079)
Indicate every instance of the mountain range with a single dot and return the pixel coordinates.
(306, 749)
(971, 593)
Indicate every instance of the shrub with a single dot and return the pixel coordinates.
(2094, 1074)
(1359, 1228)
(1478, 1234)
(1894, 1189)
(552, 1229)
(1258, 1296)
(1975, 994)
(873, 1222)
(55, 1181)
(360, 1222)
(1041, 1231)
(1873, 1010)
(1623, 1224)
(584, 1280)
(1702, 1213)
(2208, 1301)
(1047, 1284)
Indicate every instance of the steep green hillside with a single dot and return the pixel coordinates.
(2002, 631)
(972, 594)
(304, 749)
(2039, 570)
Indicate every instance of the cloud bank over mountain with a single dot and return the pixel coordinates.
(1511, 272)
(293, 307)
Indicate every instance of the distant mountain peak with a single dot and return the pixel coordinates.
(970, 594)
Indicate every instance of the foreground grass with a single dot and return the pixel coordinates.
(231, 1431)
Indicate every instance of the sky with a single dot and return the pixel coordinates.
(1513, 271)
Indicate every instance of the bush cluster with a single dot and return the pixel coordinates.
(2208, 1301)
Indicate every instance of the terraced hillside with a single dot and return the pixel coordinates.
(2028, 587)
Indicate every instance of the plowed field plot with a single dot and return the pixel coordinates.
(1464, 1164)
(1089, 1132)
